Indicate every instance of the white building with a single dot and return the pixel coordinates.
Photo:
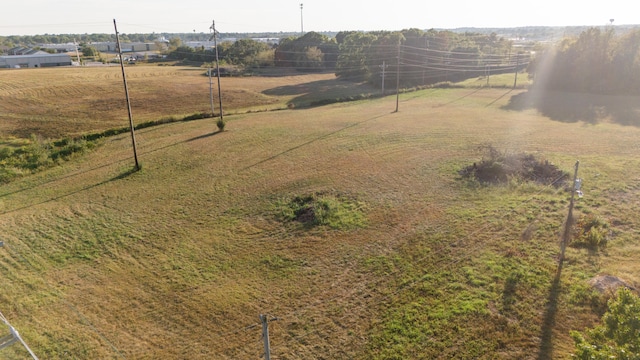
(34, 61)
(110, 47)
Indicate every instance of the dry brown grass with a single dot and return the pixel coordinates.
(178, 260)
(55, 103)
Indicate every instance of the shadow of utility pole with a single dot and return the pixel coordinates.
(549, 321)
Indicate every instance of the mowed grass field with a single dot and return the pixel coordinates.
(178, 260)
(61, 102)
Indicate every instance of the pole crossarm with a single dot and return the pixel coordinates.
(13, 337)
(7, 340)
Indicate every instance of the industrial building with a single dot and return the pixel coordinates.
(35, 60)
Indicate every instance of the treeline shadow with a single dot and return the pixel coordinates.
(322, 92)
(575, 107)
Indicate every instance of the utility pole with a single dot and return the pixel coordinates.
(566, 236)
(265, 336)
(487, 71)
(77, 52)
(215, 44)
(398, 80)
(211, 92)
(426, 60)
(515, 80)
(301, 20)
(126, 91)
(384, 67)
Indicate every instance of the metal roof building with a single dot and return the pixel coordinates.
(34, 61)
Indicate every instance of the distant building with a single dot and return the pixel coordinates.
(110, 47)
(24, 51)
(60, 48)
(42, 59)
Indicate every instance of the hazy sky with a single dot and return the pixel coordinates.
(29, 17)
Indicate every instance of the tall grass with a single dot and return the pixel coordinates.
(38, 154)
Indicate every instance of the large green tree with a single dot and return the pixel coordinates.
(245, 52)
(311, 51)
(353, 61)
(423, 57)
(597, 61)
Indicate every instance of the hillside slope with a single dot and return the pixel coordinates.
(179, 259)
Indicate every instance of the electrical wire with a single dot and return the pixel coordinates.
(71, 306)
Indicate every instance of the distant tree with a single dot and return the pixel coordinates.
(294, 52)
(174, 43)
(625, 62)
(385, 48)
(284, 53)
(265, 58)
(353, 61)
(596, 61)
(160, 46)
(89, 51)
(311, 59)
(245, 51)
(618, 337)
(342, 35)
(181, 52)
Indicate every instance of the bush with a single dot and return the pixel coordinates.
(7, 174)
(38, 154)
(618, 337)
(336, 212)
(500, 168)
(5, 153)
(220, 124)
(591, 232)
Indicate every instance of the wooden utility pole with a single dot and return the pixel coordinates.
(265, 336)
(566, 236)
(515, 80)
(487, 70)
(215, 44)
(77, 52)
(384, 67)
(398, 80)
(126, 92)
(211, 92)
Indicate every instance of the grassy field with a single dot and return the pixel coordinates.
(54, 103)
(178, 260)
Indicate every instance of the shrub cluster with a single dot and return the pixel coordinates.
(38, 154)
(618, 336)
(336, 212)
(500, 168)
(590, 232)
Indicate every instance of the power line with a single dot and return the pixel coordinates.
(71, 306)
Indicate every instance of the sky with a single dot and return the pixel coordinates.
(32, 17)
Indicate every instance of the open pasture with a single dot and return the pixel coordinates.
(55, 103)
(179, 259)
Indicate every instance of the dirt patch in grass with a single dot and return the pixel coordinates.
(604, 283)
(502, 167)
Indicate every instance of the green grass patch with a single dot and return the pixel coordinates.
(37, 154)
(335, 212)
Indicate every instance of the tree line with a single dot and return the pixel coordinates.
(597, 61)
(34, 40)
(418, 57)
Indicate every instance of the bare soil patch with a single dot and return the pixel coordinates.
(604, 283)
